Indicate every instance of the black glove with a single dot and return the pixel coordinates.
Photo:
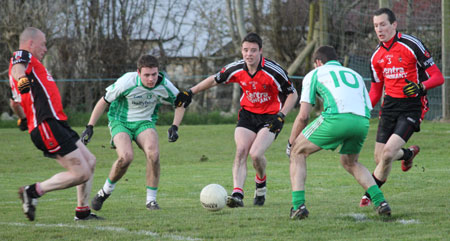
(87, 134)
(276, 124)
(185, 97)
(23, 85)
(288, 149)
(22, 124)
(413, 88)
(173, 133)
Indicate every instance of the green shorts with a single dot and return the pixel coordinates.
(133, 129)
(330, 131)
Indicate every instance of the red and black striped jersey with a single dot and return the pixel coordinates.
(44, 100)
(405, 58)
(262, 92)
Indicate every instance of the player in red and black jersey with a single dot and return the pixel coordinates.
(404, 67)
(34, 88)
(264, 85)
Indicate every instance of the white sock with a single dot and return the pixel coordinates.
(109, 186)
(151, 194)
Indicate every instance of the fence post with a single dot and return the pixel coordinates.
(446, 58)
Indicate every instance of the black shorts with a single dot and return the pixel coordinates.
(399, 116)
(252, 121)
(54, 137)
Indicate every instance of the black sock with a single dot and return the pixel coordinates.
(378, 182)
(407, 154)
(261, 185)
(31, 191)
(237, 194)
(82, 212)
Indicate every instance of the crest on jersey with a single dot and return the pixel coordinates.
(427, 54)
(388, 57)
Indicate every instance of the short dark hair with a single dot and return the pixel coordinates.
(325, 53)
(388, 12)
(253, 38)
(147, 61)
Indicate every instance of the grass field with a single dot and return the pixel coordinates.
(420, 198)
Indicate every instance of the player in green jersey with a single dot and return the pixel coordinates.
(344, 121)
(134, 100)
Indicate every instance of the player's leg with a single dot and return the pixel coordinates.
(124, 149)
(301, 149)
(125, 156)
(405, 128)
(83, 190)
(364, 178)
(386, 127)
(391, 151)
(243, 138)
(78, 172)
(262, 142)
(57, 140)
(148, 141)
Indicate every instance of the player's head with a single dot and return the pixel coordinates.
(148, 70)
(251, 49)
(385, 24)
(33, 40)
(253, 38)
(388, 12)
(147, 61)
(324, 54)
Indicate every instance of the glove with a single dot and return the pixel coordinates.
(23, 85)
(276, 124)
(173, 133)
(288, 149)
(87, 134)
(185, 97)
(22, 124)
(413, 88)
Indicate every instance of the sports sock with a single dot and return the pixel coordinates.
(260, 182)
(378, 182)
(151, 193)
(407, 153)
(298, 198)
(238, 192)
(82, 212)
(39, 191)
(32, 191)
(376, 195)
(109, 186)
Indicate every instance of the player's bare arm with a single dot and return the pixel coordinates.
(204, 85)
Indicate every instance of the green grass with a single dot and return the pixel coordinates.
(419, 198)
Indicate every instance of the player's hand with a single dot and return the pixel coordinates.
(23, 85)
(412, 88)
(288, 149)
(184, 97)
(276, 124)
(173, 133)
(22, 124)
(87, 134)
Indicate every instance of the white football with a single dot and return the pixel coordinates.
(213, 197)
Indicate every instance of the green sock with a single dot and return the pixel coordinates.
(376, 195)
(298, 198)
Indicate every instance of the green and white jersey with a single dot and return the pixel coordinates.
(131, 101)
(341, 89)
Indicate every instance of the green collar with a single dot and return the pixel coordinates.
(333, 62)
